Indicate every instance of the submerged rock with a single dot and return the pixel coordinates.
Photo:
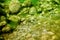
(14, 6)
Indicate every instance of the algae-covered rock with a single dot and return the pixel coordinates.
(6, 29)
(2, 23)
(26, 3)
(32, 10)
(14, 18)
(14, 6)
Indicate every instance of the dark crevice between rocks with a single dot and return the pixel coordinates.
(54, 2)
(2, 13)
(39, 12)
(2, 1)
(7, 32)
(49, 10)
(1, 27)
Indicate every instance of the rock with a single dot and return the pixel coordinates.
(14, 6)
(6, 29)
(14, 18)
(26, 3)
(32, 10)
(2, 23)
